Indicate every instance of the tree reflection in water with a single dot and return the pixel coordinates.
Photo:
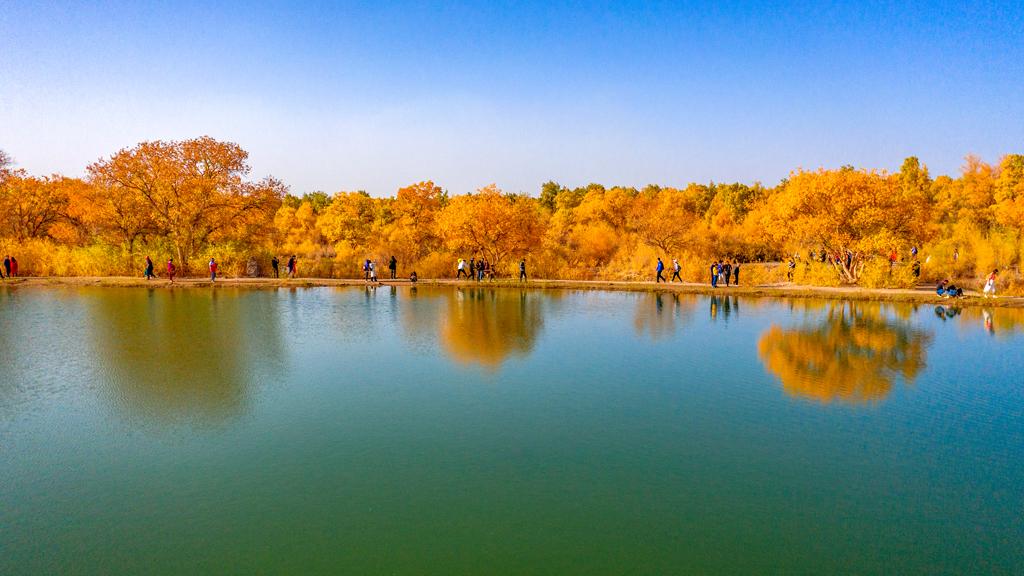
(852, 355)
(486, 325)
(185, 355)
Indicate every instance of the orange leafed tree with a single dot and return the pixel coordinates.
(852, 214)
(194, 190)
(492, 224)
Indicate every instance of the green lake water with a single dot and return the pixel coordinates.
(504, 431)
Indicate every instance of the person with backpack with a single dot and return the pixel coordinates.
(461, 269)
(675, 270)
(171, 269)
(373, 271)
(522, 270)
(148, 272)
(213, 270)
(659, 268)
(393, 266)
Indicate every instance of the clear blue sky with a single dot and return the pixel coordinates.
(376, 95)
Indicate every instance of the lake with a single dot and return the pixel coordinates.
(505, 431)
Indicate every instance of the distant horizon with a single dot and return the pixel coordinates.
(374, 98)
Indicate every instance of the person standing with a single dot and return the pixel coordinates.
(373, 271)
(393, 266)
(171, 269)
(714, 275)
(213, 270)
(481, 267)
(735, 272)
(675, 270)
(989, 291)
(14, 267)
(7, 265)
(461, 269)
(727, 272)
(522, 270)
(366, 270)
(792, 268)
(275, 264)
(660, 268)
(149, 268)
(291, 266)
(472, 267)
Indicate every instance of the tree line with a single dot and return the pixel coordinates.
(196, 198)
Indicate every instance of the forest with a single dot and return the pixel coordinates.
(195, 199)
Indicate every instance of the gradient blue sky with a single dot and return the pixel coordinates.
(376, 95)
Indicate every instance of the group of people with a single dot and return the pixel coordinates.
(675, 271)
(10, 267)
(480, 269)
(213, 266)
(290, 266)
(723, 271)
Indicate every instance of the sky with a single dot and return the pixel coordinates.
(377, 95)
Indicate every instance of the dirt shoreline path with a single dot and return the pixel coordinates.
(920, 295)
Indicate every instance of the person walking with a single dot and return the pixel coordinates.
(522, 270)
(735, 273)
(461, 269)
(275, 264)
(213, 270)
(7, 265)
(148, 272)
(171, 269)
(675, 270)
(291, 266)
(14, 267)
(393, 266)
(714, 274)
(481, 269)
(989, 291)
(660, 268)
(472, 267)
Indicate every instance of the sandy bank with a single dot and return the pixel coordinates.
(921, 295)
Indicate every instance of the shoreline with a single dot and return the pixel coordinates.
(920, 295)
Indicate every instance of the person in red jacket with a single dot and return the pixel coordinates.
(170, 269)
(213, 270)
(14, 266)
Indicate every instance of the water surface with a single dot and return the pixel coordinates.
(505, 431)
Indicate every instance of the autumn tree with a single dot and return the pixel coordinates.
(491, 223)
(662, 218)
(32, 206)
(853, 214)
(412, 232)
(195, 191)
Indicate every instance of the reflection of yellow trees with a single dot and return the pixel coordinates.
(486, 326)
(183, 355)
(853, 355)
